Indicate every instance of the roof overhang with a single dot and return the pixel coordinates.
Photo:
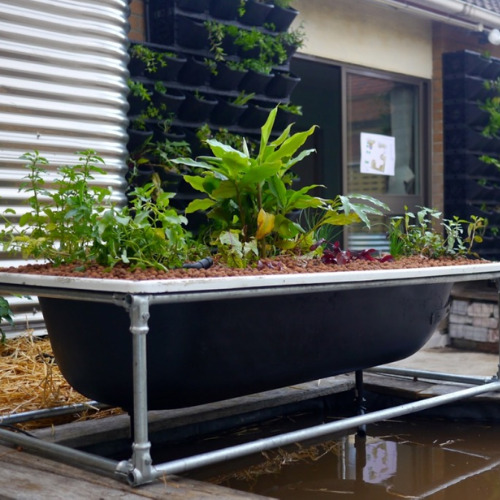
(455, 12)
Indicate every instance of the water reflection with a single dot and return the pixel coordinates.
(416, 460)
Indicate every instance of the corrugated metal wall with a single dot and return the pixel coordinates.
(63, 71)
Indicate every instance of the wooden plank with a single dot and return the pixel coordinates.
(86, 433)
(24, 476)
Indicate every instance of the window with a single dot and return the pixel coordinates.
(386, 106)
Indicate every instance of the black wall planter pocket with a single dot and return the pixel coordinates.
(195, 72)
(226, 113)
(191, 33)
(255, 116)
(197, 6)
(224, 9)
(169, 101)
(226, 77)
(256, 13)
(282, 85)
(170, 72)
(197, 107)
(281, 17)
(255, 82)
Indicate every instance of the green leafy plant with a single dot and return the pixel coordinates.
(5, 315)
(151, 58)
(249, 198)
(426, 233)
(216, 34)
(291, 108)
(242, 98)
(283, 3)
(77, 223)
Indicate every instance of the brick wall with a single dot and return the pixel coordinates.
(137, 23)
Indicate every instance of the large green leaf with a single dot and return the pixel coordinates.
(260, 173)
(226, 189)
(203, 204)
(278, 189)
(196, 182)
(266, 130)
(291, 145)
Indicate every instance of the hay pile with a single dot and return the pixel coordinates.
(31, 380)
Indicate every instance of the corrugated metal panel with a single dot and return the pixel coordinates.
(63, 71)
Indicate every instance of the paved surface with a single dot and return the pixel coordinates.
(448, 360)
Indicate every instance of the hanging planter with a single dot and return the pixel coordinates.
(286, 114)
(195, 72)
(169, 100)
(227, 113)
(281, 17)
(137, 137)
(227, 76)
(256, 13)
(191, 33)
(224, 9)
(173, 64)
(197, 6)
(282, 85)
(255, 81)
(197, 107)
(255, 116)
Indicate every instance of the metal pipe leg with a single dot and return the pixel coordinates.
(360, 401)
(139, 469)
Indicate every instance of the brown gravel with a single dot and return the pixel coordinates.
(281, 265)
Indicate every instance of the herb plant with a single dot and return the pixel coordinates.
(249, 199)
(426, 233)
(76, 223)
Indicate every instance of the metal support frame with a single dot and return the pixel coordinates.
(139, 468)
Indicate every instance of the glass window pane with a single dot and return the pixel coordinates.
(387, 107)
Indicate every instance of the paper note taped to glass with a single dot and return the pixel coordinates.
(378, 154)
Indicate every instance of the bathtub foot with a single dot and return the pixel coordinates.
(360, 401)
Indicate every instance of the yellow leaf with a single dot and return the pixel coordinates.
(265, 224)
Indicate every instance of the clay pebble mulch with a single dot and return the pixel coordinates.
(279, 265)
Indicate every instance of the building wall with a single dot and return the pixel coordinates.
(377, 37)
(369, 35)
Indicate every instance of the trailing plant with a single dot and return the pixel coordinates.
(249, 198)
(77, 224)
(151, 58)
(216, 34)
(426, 233)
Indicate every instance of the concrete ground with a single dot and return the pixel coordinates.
(433, 357)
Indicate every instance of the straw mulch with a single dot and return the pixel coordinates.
(31, 380)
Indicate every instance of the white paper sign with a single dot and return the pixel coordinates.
(378, 154)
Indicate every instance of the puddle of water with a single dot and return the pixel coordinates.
(398, 459)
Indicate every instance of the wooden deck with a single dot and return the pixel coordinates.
(26, 476)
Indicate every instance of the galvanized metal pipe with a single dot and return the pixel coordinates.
(59, 452)
(233, 452)
(56, 411)
(424, 374)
